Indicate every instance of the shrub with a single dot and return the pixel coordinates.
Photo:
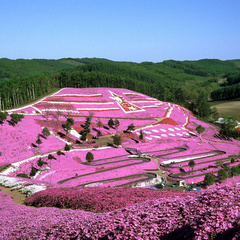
(45, 132)
(110, 123)
(23, 175)
(222, 174)
(33, 171)
(50, 156)
(159, 186)
(200, 129)
(67, 147)
(89, 157)
(209, 179)
(117, 140)
(16, 117)
(3, 116)
(191, 164)
(130, 128)
(141, 135)
(235, 171)
(226, 167)
(40, 162)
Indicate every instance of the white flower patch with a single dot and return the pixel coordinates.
(164, 135)
(163, 130)
(97, 109)
(185, 133)
(75, 133)
(76, 95)
(149, 138)
(10, 181)
(178, 129)
(170, 129)
(186, 159)
(31, 189)
(171, 134)
(155, 136)
(45, 175)
(179, 134)
(155, 130)
(147, 132)
(80, 103)
(96, 184)
(138, 133)
(153, 181)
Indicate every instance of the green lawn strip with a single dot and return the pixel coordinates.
(110, 158)
(170, 165)
(203, 169)
(87, 174)
(178, 150)
(178, 177)
(151, 176)
(123, 160)
(220, 159)
(148, 175)
(217, 152)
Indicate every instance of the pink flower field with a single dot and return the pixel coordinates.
(213, 214)
(31, 161)
(166, 128)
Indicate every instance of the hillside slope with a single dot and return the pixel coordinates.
(169, 141)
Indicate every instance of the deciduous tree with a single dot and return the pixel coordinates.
(209, 179)
(110, 123)
(117, 140)
(89, 157)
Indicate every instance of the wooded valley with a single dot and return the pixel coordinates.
(188, 83)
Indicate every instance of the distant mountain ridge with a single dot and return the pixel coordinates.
(26, 67)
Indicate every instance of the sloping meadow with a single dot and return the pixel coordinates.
(155, 136)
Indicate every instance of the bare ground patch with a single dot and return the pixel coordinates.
(231, 108)
(17, 196)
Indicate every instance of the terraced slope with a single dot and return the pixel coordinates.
(169, 141)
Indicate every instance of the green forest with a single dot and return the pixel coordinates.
(229, 89)
(188, 83)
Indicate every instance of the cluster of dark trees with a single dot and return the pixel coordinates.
(223, 174)
(187, 83)
(229, 90)
(10, 69)
(226, 93)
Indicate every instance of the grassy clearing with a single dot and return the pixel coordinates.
(231, 108)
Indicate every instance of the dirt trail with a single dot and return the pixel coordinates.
(17, 196)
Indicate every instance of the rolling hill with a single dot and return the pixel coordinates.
(169, 141)
(45, 155)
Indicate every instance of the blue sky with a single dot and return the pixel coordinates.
(120, 30)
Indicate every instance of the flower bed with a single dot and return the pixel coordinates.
(212, 214)
(97, 199)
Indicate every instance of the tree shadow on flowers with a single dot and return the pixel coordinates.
(184, 233)
(229, 234)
